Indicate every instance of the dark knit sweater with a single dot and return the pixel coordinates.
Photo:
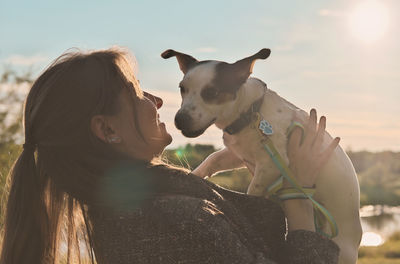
(160, 215)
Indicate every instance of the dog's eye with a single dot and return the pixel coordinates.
(183, 90)
(214, 92)
(210, 93)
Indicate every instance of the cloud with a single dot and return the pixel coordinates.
(330, 13)
(297, 34)
(305, 33)
(206, 50)
(22, 60)
(285, 47)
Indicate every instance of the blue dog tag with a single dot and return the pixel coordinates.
(265, 127)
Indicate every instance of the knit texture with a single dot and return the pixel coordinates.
(163, 215)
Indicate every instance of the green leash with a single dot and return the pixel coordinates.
(296, 191)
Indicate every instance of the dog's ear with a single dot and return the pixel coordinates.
(185, 61)
(243, 68)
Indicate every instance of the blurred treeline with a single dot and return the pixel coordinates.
(379, 173)
(13, 88)
(379, 176)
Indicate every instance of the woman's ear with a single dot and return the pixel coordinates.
(101, 128)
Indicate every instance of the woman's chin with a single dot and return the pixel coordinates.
(167, 136)
(168, 139)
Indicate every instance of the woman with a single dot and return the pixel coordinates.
(92, 142)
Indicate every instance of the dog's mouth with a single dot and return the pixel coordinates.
(196, 133)
(192, 134)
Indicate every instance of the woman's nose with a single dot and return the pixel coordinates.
(155, 99)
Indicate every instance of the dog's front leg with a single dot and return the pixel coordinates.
(221, 160)
(265, 174)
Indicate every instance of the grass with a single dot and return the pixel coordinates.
(388, 252)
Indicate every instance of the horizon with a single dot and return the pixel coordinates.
(340, 57)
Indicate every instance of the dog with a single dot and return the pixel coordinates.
(220, 93)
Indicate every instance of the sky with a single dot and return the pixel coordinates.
(341, 57)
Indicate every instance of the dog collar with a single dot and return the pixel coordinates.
(245, 118)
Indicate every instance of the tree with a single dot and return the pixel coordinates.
(13, 88)
(379, 176)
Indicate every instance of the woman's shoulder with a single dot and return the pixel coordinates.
(179, 227)
(162, 207)
(181, 205)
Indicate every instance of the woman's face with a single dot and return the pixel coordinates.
(147, 137)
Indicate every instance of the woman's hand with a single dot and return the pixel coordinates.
(307, 158)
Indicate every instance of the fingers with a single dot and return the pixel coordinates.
(312, 123)
(320, 133)
(328, 152)
(310, 129)
(294, 141)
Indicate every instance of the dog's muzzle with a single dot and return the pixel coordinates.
(183, 121)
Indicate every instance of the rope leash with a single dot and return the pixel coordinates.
(296, 191)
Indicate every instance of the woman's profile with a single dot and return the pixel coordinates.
(90, 177)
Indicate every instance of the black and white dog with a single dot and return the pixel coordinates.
(215, 92)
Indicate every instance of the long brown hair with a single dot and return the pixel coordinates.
(52, 179)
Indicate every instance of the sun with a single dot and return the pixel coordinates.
(369, 20)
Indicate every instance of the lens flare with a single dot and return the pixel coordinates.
(179, 153)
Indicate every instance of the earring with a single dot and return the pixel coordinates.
(114, 140)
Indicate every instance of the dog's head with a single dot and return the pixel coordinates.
(207, 87)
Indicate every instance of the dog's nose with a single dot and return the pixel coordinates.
(182, 120)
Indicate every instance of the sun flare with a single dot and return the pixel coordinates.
(369, 20)
(371, 239)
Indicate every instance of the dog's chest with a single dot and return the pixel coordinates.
(248, 145)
